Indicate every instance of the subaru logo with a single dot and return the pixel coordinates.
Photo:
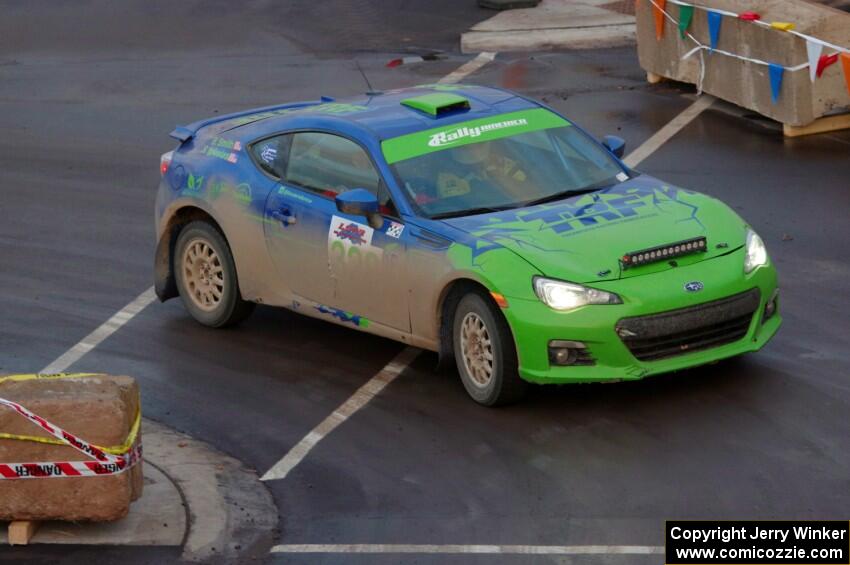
(693, 286)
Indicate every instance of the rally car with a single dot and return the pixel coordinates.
(465, 220)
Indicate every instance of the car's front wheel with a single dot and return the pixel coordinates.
(206, 277)
(485, 353)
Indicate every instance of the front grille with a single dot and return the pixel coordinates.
(676, 332)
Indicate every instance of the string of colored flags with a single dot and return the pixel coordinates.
(817, 63)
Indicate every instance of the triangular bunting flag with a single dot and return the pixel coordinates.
(813, 51)
(825, 61)
(776, 72)
(845, 62)
(658, 10)
(749, 16)
(686, 14)
(714, 21)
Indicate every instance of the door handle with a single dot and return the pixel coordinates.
(284, 216)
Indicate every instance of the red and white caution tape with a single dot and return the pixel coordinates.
(103, 463)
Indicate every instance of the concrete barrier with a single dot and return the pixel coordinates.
(746, 83)
(98, 409)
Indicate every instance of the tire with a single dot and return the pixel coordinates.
(206, 277)
(493, 382)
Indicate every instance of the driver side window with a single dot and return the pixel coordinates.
(322, 162)
(329, 164)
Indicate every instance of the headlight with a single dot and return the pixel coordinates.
(756, 252)
(562, 295)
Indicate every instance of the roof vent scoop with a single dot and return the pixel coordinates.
(438, 104)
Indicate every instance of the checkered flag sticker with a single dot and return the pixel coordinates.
(395, 230)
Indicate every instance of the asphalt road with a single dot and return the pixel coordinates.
(88, 94)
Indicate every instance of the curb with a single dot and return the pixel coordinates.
(548, 39)
(554, 24)
(231, 515)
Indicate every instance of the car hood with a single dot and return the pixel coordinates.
(582, 239)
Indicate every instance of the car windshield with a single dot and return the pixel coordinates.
(508, 172)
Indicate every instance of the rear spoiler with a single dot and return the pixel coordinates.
(185, 133)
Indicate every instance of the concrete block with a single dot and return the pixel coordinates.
(744, 83)
(100, 410)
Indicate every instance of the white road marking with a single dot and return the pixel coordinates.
(663, 135)
(105, 330)
(467, 68)
(357, 401)
(479, 549)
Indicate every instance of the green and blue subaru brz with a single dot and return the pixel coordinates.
(466, 220)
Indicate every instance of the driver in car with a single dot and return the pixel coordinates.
(479, 167)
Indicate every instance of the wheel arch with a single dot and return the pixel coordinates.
(165, 284)
(449, 298)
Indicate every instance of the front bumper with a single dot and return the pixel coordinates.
(534, 324)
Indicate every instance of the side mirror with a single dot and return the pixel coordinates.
(360, 202)
(614, 144)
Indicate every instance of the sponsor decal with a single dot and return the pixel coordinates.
(609, 207)
(474, 131)
(344, 316)
(242, 192)
(395, 230)
(443, 138)
(194, 183)
(622, 177)
(350, 233)
(351, 255)
(216, 187)
(222, 148)
(268, 154)
(590, 212)
(294, 194)
(615, 206)
(216, 152)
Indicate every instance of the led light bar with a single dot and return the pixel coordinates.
(664, 252)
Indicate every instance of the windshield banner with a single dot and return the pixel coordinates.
(464, 133)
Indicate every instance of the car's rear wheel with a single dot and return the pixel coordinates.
(485, 353)
(206, 277)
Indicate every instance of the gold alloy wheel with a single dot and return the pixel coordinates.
(203, 274)
(476, 349)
